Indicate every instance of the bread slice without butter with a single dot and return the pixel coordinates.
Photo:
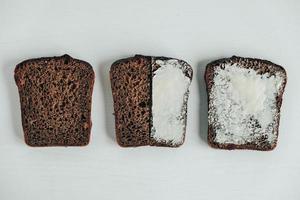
(131, 86)
(55, 96)
(150, 100)
(244, 100)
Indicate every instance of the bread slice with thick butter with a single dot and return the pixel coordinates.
(244, 101)
(150, 100)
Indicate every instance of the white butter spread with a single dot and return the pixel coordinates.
(243, 104)
(169, 88)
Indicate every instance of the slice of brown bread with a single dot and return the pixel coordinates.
(55, 96)
(132, 88)
(244, 101)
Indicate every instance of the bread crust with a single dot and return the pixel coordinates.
(261, 67)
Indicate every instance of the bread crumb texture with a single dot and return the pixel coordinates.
(55, 96)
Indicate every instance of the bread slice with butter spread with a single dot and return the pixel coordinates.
(244, 101)
(150, 100)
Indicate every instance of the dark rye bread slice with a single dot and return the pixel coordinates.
(55, 96)
(132, 86)
(237, 120)
(130, 83)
